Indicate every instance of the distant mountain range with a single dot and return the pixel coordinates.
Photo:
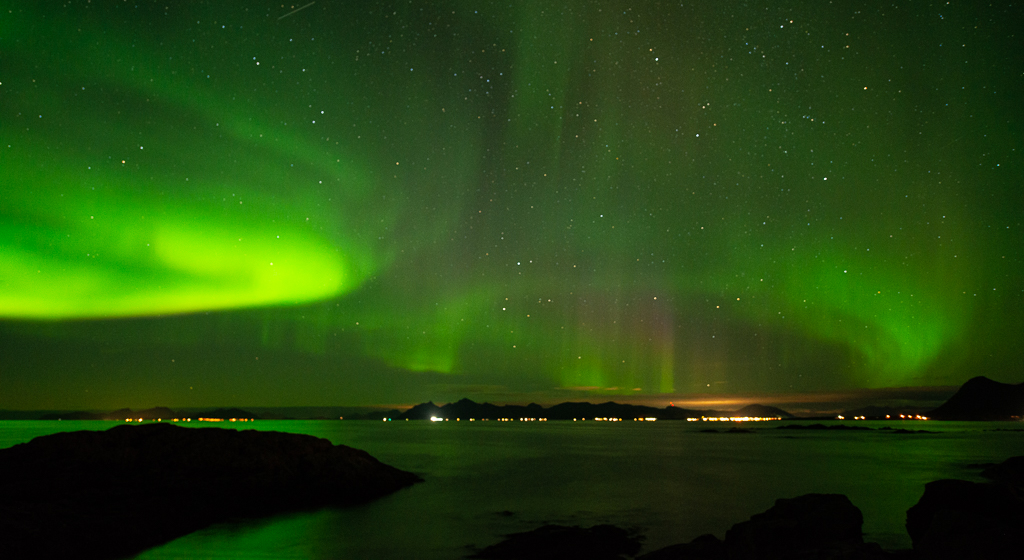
(468, 409)
(157, 413)
(978, 399)
(464, 408)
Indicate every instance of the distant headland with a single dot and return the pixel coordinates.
(983, 399)
(581, 411)
(980, 398)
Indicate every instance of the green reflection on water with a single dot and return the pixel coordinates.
(483, 480)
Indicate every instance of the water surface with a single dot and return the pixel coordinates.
(666, 479)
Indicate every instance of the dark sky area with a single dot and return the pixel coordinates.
(361, 203)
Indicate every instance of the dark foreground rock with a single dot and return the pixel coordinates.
(1010, 472)
(808, 527)
(558, 542)
(114, 493)
(958, 519)
(704, 547)
(816, 526)
(955, 519)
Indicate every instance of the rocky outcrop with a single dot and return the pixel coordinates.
(958, 519)
(955, 519)
(558, 542)
(704, 547)
(113, 493)
(809, 526)
(1010, 472)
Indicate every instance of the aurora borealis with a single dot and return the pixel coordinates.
(207, 203)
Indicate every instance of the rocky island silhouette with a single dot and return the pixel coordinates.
(95, 495)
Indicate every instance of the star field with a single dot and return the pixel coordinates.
(363, 203)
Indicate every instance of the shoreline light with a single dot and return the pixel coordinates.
(737, 418)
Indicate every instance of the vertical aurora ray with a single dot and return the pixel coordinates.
(582, 200)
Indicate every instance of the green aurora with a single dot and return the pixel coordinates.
(364, 203)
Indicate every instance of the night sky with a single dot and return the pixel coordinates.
(227, 203)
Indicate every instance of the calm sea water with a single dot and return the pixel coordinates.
(666, 479)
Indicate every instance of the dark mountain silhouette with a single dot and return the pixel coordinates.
(762, 411)
(422, 411)
(466, 409)
(372, 415)
(983, 399)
